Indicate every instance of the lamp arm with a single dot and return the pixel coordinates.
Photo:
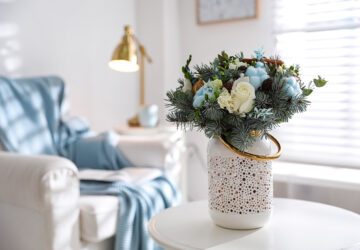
(142, 49)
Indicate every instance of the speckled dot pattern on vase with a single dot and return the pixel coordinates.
(239, 185)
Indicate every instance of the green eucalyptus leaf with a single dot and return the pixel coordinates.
(307, 92)
(225, 55)
(320, 82)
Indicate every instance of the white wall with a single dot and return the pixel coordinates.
(75, 40)
(158, 30)
(204, 42)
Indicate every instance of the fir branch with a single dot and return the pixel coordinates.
(206, 72)
(273, 105)
(212, 111)
(233, 120)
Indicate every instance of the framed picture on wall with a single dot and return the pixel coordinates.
(217, 11)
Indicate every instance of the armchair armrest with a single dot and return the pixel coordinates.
(164, 150)
(161, 150)
(38, 202)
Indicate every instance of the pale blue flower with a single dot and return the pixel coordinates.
(257, 74)
(292, 87)
(207, 89)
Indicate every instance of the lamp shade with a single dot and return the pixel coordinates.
(124, 58)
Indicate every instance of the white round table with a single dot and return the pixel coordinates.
(295, 225)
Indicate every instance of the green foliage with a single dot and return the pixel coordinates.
(320, 82)
(206, 72)
(186, 69)
(272, 105)
(213, 112)
(181, 83)
(307, 92)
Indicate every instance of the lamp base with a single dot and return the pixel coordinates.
(134, 122)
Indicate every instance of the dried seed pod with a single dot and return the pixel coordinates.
(228, 85)
(242, 68)
(267, 84)
(197, 86)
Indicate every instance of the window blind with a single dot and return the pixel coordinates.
(323, 37)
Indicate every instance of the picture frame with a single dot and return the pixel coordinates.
(221, 11)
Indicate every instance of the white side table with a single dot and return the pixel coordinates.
(295, 225)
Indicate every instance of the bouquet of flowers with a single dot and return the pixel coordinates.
(237, 98)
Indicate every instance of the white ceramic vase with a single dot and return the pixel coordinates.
(240, 189)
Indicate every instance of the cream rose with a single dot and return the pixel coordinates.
(241, 100)
(243, 97)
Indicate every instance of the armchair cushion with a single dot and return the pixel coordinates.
(98, 217)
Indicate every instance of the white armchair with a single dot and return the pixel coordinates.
(40, 204)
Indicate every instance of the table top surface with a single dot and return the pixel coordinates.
(295, 224)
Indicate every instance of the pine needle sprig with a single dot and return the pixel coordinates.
(272, 106)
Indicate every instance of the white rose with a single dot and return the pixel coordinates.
(241, 100)
(187, 86)
(242, 78)
(243, 97)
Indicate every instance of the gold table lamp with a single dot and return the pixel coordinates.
(124, 59)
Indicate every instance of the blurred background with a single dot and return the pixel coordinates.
(75, 40)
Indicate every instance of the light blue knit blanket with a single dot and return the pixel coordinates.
(137, 205)
(32, 122)
(32, 116)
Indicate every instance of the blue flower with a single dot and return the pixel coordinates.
(292, 88)
(207, 90)
(259, 53)
(257, 74)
